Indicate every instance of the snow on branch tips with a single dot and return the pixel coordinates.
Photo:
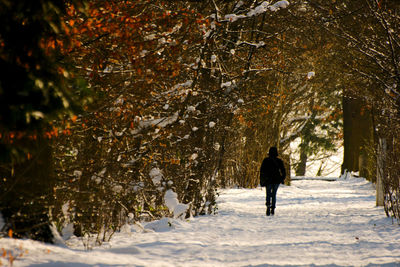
(259, 10)
(279, 5)
(161, 122)
(156, 176)
(186, 84)
(228, 84)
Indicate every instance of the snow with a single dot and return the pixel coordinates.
(325, 163)
(279, 5)
(77, 173)
(171, 201)
(156, 175)
(68, 231)
(150, 37)
(239, 4)
(258, 10)
(161, 122)
(186, 84)
(257, 45)
(117, 188)
(226, 84)
(143, 53)
(317, 223)
(234, 17)
(162, 225)
(263, 7)
(191, 108)
(194, 156)
(217, 146)
(180, 210)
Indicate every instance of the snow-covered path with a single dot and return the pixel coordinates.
(316, 223)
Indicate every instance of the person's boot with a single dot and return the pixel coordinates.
(272, 211)
(268, 211)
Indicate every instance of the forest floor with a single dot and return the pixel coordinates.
(317, 223)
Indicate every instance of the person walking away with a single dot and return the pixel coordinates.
(272, 173)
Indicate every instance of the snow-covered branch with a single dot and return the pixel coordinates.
(262, 8)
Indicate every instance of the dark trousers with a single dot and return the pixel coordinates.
(271, 194)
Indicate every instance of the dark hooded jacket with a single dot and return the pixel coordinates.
(272, 170)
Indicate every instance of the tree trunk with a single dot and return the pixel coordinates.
(381, 172)
(358, 138)
(302, 167)
(351, 107)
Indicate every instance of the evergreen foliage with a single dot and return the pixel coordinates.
(34, 88)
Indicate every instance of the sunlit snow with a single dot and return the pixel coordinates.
(317, 223)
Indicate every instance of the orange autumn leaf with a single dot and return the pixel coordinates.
(10, 258)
